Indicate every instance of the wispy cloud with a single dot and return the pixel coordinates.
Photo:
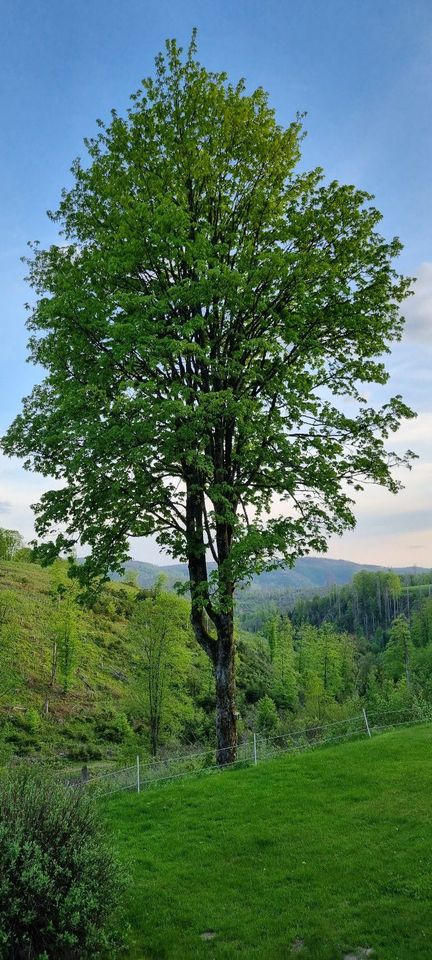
(415, 435)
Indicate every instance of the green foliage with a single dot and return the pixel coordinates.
(85, 752)
(64, 625)
(25, 555)
(397, 655)
(6, 609)
(11, 543)
(421, 673)
(59, 882)
(131, 578)
(421, 628)
(113, 727)
(32, 720)
(66, 641)
(160, 626)
(254, 668)
(369, 604)
(325, 664)
(393, 699)
(285, 687)
(267, 719)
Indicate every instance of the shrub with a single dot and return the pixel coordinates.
(29, 720)
(84, 751)
(6, 747)
(59, 883)
(113, 726)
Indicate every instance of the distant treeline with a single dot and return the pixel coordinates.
(370, 604)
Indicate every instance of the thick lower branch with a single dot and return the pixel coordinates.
(202, 634)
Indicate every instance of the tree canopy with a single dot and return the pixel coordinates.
(11, 542)
(202, 322)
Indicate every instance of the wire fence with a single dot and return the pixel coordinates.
(252, 749)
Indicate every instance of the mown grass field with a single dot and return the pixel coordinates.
(324, 855)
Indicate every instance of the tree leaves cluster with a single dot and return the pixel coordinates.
(11, 543)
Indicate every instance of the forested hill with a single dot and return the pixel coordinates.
(369, 605)
(307, 574)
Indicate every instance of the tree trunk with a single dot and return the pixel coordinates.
(154, 738)
(226, 714)
(219, 648)
(54, 659)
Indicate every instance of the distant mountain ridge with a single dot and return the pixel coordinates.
(308, 573)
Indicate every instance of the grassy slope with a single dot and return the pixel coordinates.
(104, 653)
(312, 856)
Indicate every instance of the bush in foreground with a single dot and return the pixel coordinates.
(59, 883)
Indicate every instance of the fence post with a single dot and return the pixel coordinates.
(138, 774)
(366, 722)
(255, 749)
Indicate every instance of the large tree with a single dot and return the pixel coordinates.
(201, 323)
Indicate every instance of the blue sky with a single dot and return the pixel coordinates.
(363, 72)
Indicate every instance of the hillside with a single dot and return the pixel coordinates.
(100, 710)
(89, 721)
(325, 856)
(102, 716)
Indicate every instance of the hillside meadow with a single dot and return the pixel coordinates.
(100, 679)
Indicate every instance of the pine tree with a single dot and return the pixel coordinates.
(285, 683)
(398, 653)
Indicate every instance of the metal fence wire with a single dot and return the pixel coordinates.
(252, 749)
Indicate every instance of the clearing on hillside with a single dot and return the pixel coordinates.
(326, 855)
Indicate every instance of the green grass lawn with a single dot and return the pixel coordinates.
(313, 856)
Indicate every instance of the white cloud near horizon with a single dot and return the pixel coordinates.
(418, 308)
